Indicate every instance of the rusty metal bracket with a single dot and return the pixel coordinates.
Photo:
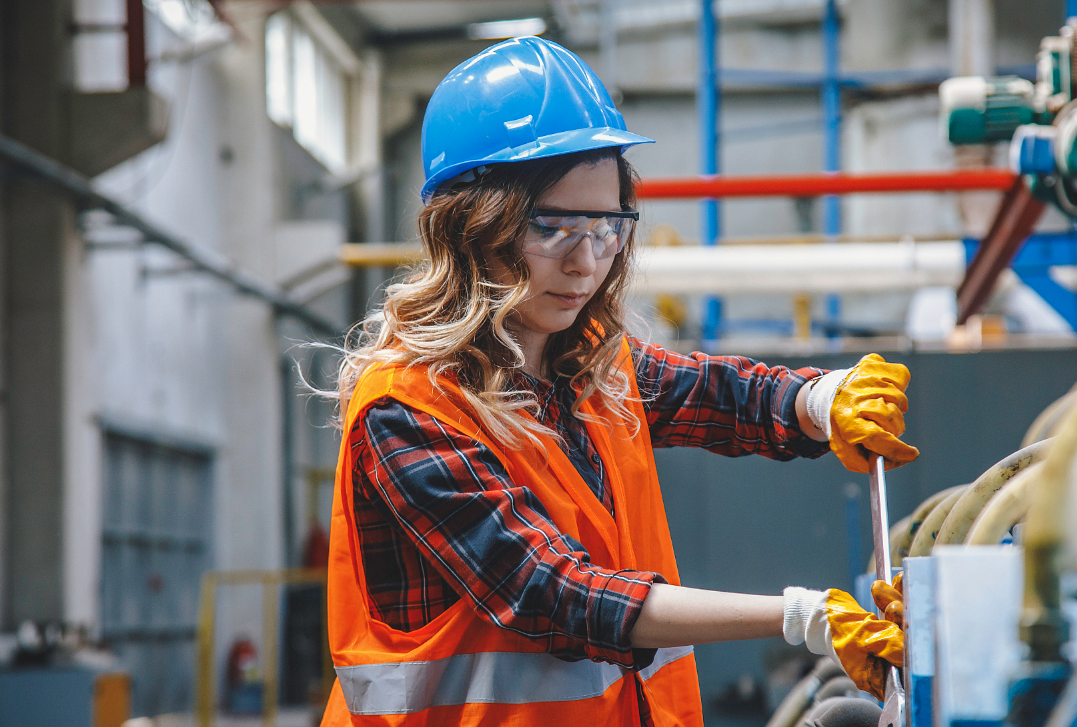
(1017, 215)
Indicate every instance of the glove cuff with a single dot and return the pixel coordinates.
(805, 621)
(820, 400)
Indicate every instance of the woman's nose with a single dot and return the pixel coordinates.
(581, 259)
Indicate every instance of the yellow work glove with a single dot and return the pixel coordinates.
(861, 410)
(831, 623)
(890, 600)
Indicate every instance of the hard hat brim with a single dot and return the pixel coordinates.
(565, 142)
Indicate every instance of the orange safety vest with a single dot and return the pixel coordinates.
(460, 669)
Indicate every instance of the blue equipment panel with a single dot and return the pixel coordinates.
(46, 697)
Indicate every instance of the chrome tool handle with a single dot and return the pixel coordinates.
(880, 520)
(894, 709)
(895, 712)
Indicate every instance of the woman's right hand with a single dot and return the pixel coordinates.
(831, 623)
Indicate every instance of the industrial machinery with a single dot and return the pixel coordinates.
(990, 592)
(1038, 119)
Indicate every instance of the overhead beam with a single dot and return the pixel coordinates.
(1017, 215)
(202, 259)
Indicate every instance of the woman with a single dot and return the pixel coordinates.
(500, 552)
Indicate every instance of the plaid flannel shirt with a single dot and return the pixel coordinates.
(439, 519)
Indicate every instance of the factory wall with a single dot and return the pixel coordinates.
(106, 340)
(754, 525)
(185, 356)
(177, 354)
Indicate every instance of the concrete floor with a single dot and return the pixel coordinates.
(290, 717)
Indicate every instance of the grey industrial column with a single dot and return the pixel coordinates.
(37, 226)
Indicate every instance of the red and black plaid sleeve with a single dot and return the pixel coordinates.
(440, 519)
(730, 405)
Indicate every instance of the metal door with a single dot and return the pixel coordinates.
(155, 549)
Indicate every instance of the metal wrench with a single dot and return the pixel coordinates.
(894, 712)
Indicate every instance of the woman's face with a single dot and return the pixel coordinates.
(561, 287)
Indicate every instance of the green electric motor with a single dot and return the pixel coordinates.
(978, 110)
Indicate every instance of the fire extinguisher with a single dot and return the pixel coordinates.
(244, 683)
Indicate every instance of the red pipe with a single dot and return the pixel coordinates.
(813, 185)
(136, 44)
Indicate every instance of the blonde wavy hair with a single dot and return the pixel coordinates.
(450, 316)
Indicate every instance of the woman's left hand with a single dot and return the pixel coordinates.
(890, 600)
(831, 623)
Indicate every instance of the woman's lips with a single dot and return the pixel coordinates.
(570, 300)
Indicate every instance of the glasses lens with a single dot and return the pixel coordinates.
(557, 237)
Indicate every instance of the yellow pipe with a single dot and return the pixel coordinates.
(270, 622)
(802, 316)
(1043, 626)
(1008, 506)
(1049, 419)
(958, 522)
(925, 536)
(388, 254)
(900, 550)
(282, 575)
(799, 700)
(205, 710)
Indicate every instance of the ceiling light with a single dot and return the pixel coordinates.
(499, 29)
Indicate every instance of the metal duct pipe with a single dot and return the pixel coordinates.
(848, 267)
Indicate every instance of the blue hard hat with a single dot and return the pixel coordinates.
(524, 98)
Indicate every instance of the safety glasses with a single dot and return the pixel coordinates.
(556, 233)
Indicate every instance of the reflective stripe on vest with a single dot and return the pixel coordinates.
(487, 677)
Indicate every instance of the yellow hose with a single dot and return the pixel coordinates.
(799, 700)
(1043, 627)
(1046, 424)
(897, 534)
(958, 522)
(901, 549)
(925, 536)
(1008, 506)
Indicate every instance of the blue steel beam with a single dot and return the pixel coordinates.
(707, 108)
(831, 99)
(1033, 263)
(708, 103)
